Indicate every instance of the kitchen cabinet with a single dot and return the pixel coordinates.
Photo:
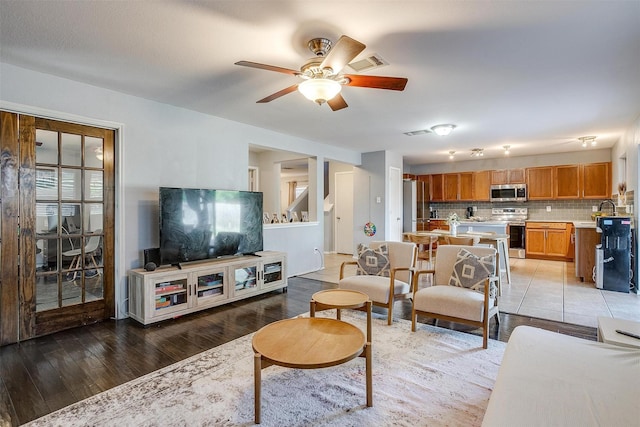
(540, 183)
(438, 224)
(458, 187)
(585, 252)
(436, 189)
(508, 176)
(451, 186)
(567, 182)
(549, 240)
(596, 180)
(481, 186)
(465, 187)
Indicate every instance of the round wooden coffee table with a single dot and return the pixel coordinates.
(308, 343)
(342, 299)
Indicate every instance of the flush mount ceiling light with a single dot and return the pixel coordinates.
(506, 149)
(451, 153)
(443, 130)
(319, 90)
(477, 152)
(586, 140)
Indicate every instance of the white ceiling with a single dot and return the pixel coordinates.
(535, 75)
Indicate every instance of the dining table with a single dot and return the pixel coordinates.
(498, 241)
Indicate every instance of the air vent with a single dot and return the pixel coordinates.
(371, 61)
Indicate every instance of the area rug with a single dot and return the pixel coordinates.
(431, 377)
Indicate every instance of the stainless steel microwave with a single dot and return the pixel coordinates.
(509, 193)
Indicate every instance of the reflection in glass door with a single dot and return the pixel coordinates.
(69, 219)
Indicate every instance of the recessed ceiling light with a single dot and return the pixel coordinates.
(444, 129)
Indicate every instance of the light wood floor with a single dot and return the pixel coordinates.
(541, 289)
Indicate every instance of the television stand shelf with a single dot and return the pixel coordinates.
(170, 292)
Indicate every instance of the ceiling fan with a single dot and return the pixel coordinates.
(322, 78)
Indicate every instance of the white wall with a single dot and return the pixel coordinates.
(160, 145)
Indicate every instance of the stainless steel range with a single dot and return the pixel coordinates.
(515, 218)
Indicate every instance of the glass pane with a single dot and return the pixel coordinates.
(93, 217)
(46, 183)
(46, 255)
(93, 285)
(46, 292)
(71, 149)
(71, 184)
(93, 185)
(46, 146)
(72, 289)
(46, 218)
(71, 219)
(93, 155)
(71, 253)
(93, 253)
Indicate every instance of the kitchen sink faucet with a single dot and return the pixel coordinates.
(609, 201)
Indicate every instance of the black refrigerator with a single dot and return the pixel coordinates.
(615, 244)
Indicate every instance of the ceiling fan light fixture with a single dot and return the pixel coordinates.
(506, 149)
(451, 153)
(444, 129)
(319, 90)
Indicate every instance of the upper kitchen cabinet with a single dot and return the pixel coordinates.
(458, 187)
(508, 176)
(540, 183)
(436, 189)
(481, 185)
(567, 182)
(596, 181)
(451, 186)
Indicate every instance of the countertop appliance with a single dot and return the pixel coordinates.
(508, 193)
(515, 218)
(613, 262)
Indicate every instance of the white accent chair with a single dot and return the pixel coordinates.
(384, 291)
(455, 303)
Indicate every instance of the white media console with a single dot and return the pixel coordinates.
(170, 292)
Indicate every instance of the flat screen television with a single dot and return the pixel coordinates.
(197, 224)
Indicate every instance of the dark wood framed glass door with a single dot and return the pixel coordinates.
(65, 242)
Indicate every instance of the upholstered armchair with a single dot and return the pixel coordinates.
(384, 273)
(464, 288)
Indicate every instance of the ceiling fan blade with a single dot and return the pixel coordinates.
(376, 82)
(268, 67)
(337, 103)
(278, 94)
(342, 53)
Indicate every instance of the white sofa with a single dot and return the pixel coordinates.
(548, 379)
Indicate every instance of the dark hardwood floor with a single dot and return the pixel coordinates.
(47, 373)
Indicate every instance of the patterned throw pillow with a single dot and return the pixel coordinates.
(373, 262)
(471, 271)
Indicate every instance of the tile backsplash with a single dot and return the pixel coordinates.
(569, 210)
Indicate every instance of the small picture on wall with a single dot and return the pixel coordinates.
(305, 216)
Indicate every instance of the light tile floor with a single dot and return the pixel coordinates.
(539, 288)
